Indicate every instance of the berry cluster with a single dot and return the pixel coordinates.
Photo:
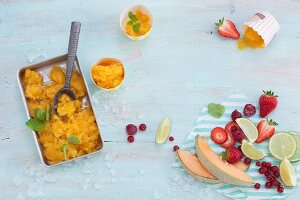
(271, 173)
(131, 130)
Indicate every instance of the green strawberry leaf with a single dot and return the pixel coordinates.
(73, 139)
(35, 124)
(216, 110)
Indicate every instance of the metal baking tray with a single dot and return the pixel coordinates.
(44, 68)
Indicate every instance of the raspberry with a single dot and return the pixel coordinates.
(257, 164)
(171, 138)
(238, 135)
(249, 110)
(247, 161)
(130, 139)
(280, 189)
(175, 148)
(142, 127)
(268, 185)
(131, 129)
(235, 114)
(274, 169)
(257, 186)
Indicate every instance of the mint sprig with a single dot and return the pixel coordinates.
(134, 22)
(38, 122)
(72, 139)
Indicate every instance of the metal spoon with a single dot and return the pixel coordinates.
(72, 49)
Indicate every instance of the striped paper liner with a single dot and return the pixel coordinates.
(205, 123)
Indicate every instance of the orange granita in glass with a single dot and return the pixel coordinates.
(138, 23)
(251, 39)
(108, 74)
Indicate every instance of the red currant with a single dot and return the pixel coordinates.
(267, 174)
(130, 139)
(175, 148)
(276, 174)
(263, 164)
(257, 186)
(268, 185)
(171, 138)
(142, 127)
(274, 169)
(280, 189)
(247, 161)
(275, 182)
(268, 165)
(270, 178)
(131, 129)
(263, 170)
(257, 164)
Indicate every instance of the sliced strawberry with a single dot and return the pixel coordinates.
(230, 140)
(266, 129)
(218, 135)
(226, 28)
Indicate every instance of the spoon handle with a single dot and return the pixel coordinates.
(72, 49)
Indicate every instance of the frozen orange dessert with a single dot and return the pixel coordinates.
(138, 23)
(108, 73)
(71, 135)
(251, 39)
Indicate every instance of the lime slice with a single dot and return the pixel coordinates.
(163, 130)
(282, 145)
(251, 152)
(296, 156)
(248, 128)
(287, 173)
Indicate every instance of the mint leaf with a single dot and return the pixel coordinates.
(63, 148)
(216, 110)
(73, 139)
(130, 23)
(132, 16)
(136, 27)
(48, 113)
(39, 114)
(35, 125)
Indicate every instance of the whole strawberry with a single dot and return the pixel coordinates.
(267, 102)
(232, 155)
(266, 129)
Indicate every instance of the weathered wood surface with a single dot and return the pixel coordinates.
(183, 68)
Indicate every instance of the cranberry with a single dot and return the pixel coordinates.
(274, 169)
(263, 170)
(268, 185)
(175, 148)
(249, 110)
(142, 127)
(130, 139)
(131, 129)
(171, 138)
(257, 186)
(276, 174)
(235, 114)
(247, 161)
(233, 128)
(257, 164)
(267, 174)
(268, 165)
(238, 135)
(280, 189)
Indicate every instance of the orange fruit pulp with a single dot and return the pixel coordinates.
(145, 24)
(251, 39)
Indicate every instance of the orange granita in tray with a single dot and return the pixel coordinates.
(73, 134)
(251, 39)
(138, 23)
(108, 73)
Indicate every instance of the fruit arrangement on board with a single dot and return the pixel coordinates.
(240, 140)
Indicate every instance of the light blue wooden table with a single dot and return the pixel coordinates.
(184, 67)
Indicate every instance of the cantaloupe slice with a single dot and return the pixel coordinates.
(221, 170)
(193, 166)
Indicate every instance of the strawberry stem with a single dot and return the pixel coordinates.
(270, 93)
(272, 122)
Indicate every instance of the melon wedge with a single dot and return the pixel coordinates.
(221, 170)
(193, 167)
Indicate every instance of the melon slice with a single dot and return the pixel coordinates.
(224, 172)
(192, 166)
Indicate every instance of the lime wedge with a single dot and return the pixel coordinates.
(163, 130)
(282, 145)
(296, 156)
(287, 173)
(251, 152)
(248, 128)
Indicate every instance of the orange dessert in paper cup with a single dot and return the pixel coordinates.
(108, 74)
(136, 22)
(258, 31)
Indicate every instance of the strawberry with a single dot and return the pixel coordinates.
(231, 124)
(232, 155)
(267, 102)
(218, 135)
(266, 129)
(227, 29)
(230, 140)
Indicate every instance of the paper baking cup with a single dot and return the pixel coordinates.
(264, 24)
(124, 19)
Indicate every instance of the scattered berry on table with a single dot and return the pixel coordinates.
(226, 28)
(257, 164)
(236, 114)
(130, 139)
(171, 138)
(247, 161)
(142, 127)
(249, 110)
(267, 102)
(280, 189)
(257, 186)
(268, 185)
(131, 129)
(175, 148)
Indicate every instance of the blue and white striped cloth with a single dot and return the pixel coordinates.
(205, 123)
